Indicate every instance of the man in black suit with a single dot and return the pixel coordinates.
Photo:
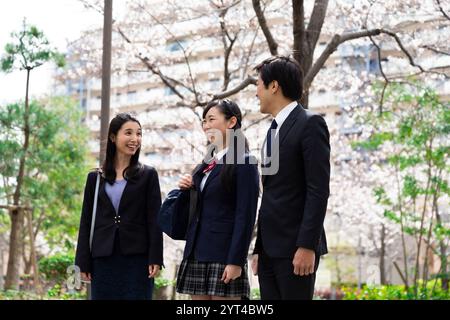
(296, 174)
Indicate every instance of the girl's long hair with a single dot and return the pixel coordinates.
(134, 168)
(227, 174)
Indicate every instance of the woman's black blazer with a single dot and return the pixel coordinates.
(135, 223)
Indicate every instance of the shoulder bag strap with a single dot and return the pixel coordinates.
(94, 210)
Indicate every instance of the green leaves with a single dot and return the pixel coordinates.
(56, 164)
(29, 49)
(410, 142)
(375, 141)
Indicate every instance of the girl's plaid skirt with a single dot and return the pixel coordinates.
(203, 278)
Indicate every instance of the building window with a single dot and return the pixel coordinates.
(373, 62)
(176, 45)
(168, 91)
(131, 96)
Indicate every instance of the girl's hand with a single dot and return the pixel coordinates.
(185, 182)
(231, 272)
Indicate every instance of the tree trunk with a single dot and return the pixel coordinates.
(444, 265)
(15, 250)
(300, 52)
(15, 243)
(305, 99)
(2, 284)
(37, 286)
(383, 256)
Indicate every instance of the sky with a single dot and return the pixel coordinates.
(61, 21)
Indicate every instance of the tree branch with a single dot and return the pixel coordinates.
(339, 39)
(250, 50)
(397, 39)
(331, 47)
(163, 78)
(442, 10)
(435, 50)
(182, 48)
(227, 47)
(254, 123)
(315, 24)
(88, 5)
(248, 81)
(386, 80)
(401, 274)
(273, 45)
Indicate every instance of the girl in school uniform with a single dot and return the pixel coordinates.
(214, 263)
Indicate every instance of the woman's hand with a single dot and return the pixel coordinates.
(86, 276)
(185, 182)
(153, 270)
(255, 264)
(231, 272)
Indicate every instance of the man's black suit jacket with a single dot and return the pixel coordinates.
(294, 200)
(137, 230)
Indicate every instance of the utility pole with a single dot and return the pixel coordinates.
(106, 78)
(106, 88)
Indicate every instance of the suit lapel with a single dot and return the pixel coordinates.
(104, 196)
(287, 125)
(283, 132)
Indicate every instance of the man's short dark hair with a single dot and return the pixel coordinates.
(286, 71)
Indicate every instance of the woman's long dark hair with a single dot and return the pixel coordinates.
(134, 168)
(230, 109)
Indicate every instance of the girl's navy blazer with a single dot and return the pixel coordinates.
(222, 230)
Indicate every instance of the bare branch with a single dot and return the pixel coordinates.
(386, 80)
(123, 35)
(316, 22)
(14, 207)
(250, 50)
(227, 47)
(401, 274)
(168, 81)
(397, 39)
(442, 10)
(254, 123)
(163, 78)
(88, 5)
(435, 50)
(339, 39)
(248, 81)
(182, 48)
(273, 45)
(331, 47)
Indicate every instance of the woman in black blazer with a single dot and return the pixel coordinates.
(127, 250)
(214, 265)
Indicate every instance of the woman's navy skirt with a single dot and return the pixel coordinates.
(121, 277)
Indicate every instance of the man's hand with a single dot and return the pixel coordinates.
(153, 270)
(255, 264)
(303, 262)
